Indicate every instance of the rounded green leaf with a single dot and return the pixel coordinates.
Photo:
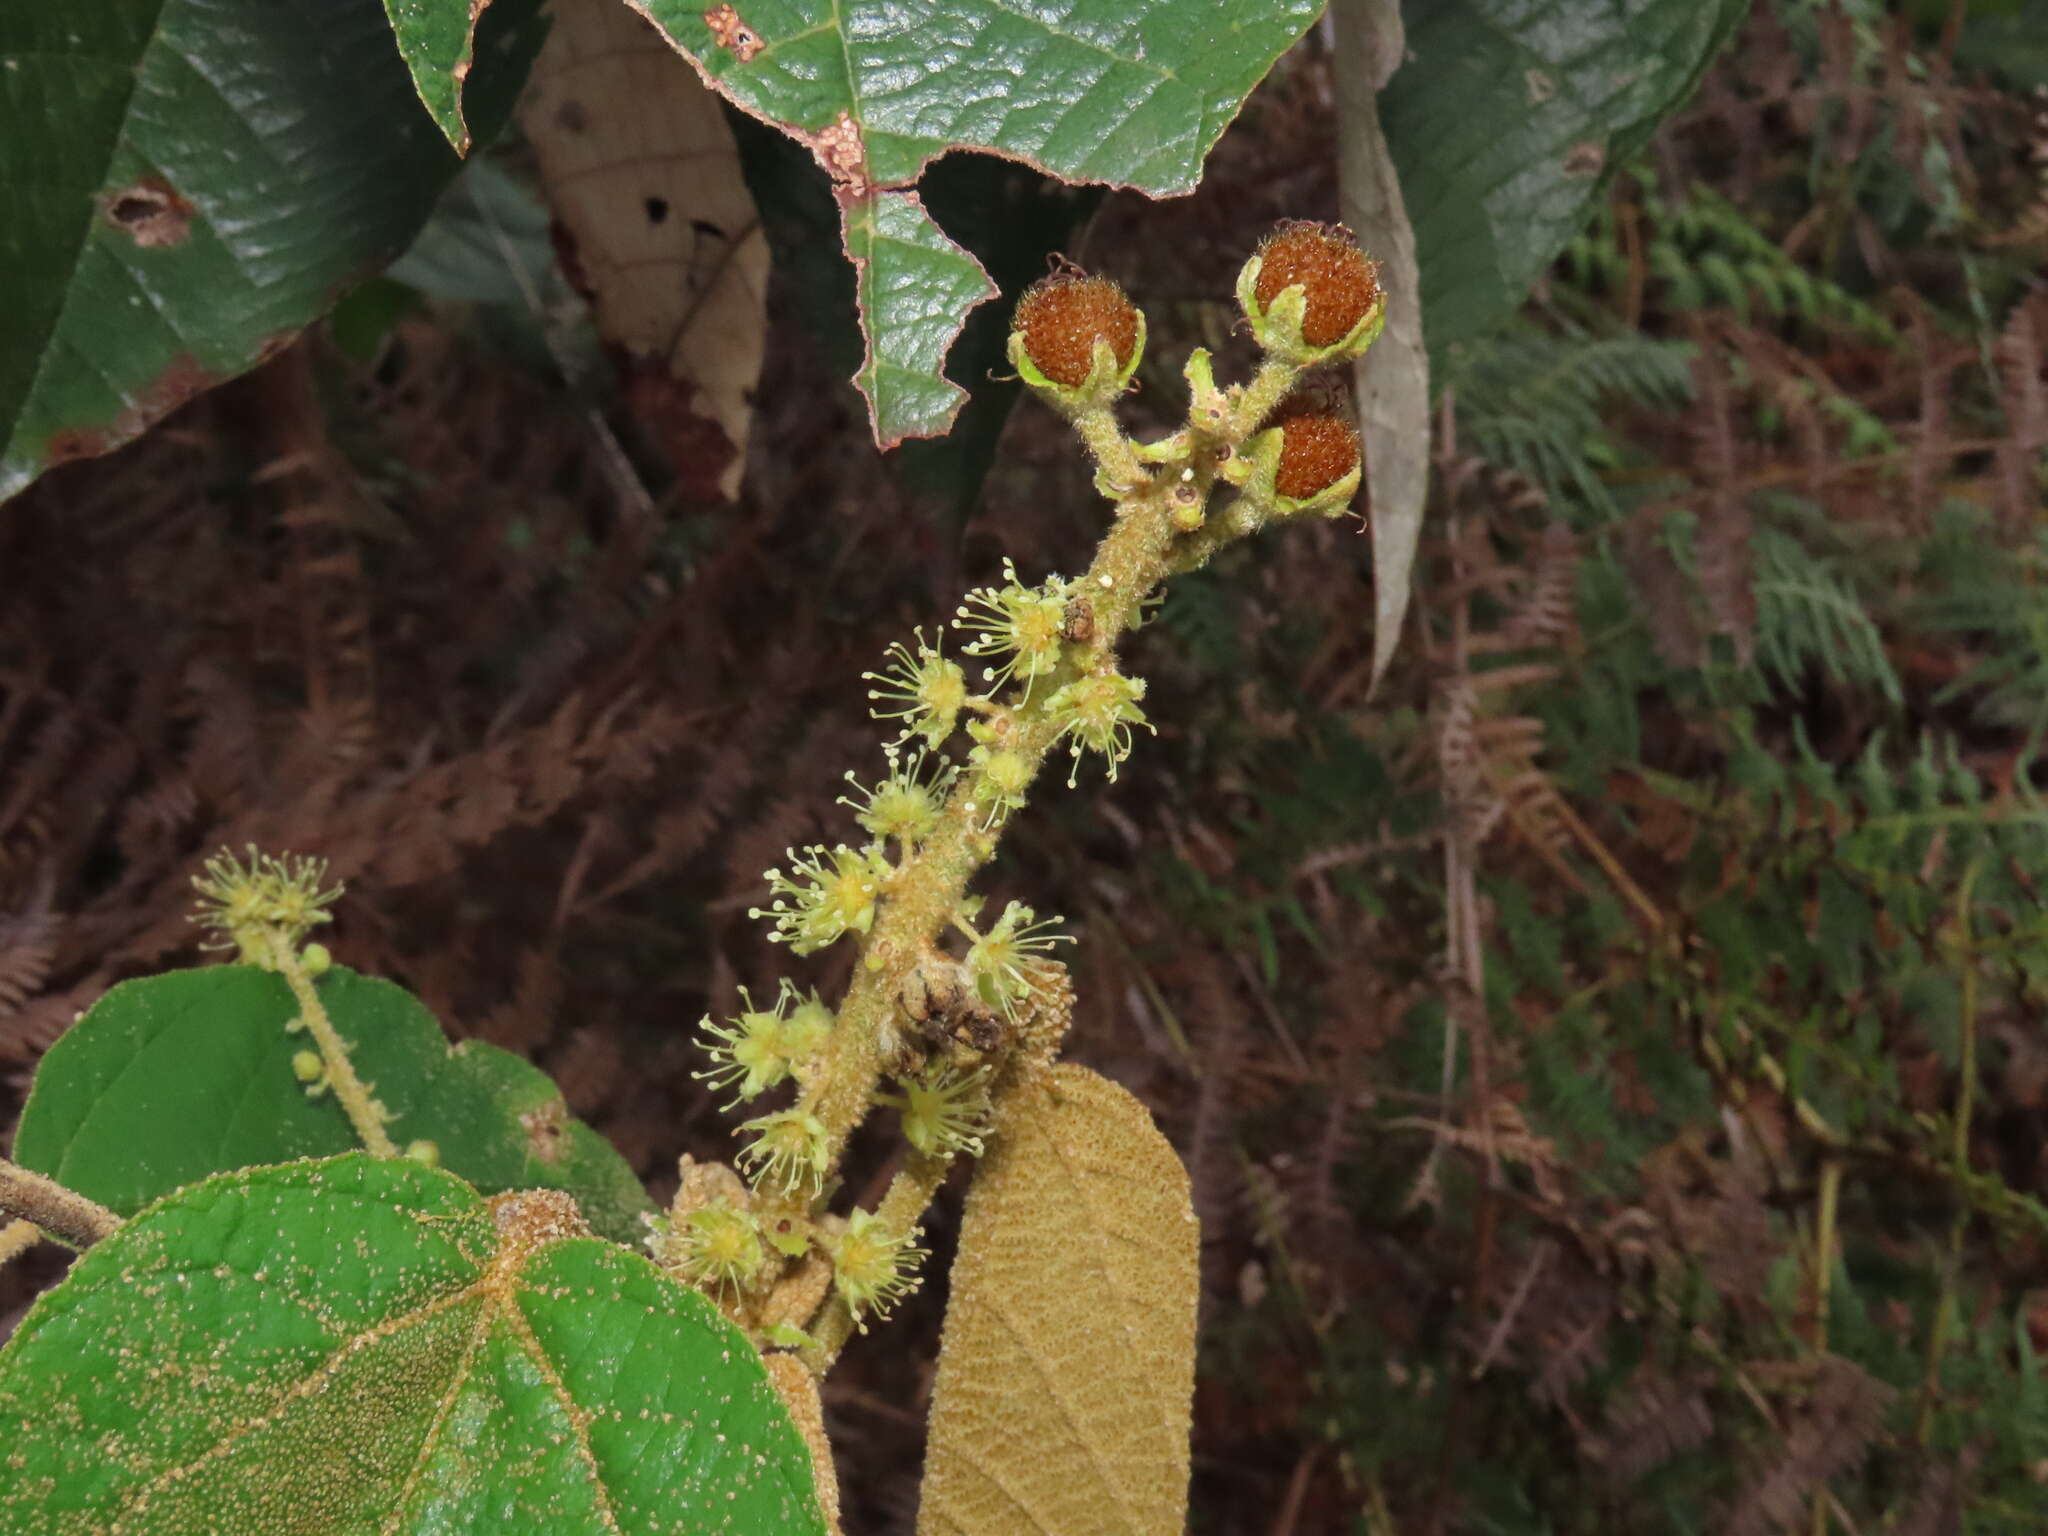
(170, 1078)
(355, 1346)
(188, 182)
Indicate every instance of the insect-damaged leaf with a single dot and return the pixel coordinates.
(358, 1345)
(1061, 1405)
(189, 182)
(170, 1078)
(1128, 92)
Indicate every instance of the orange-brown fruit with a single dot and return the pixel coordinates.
(1315, 453)
(1340, 282)
(1061, 317)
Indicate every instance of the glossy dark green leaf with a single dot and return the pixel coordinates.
(1127, 92)
(171, 1078)
(1131, 92)
(1505, 119)
(437, 39)
(355, 1345)
(189, 182)
(915, 289)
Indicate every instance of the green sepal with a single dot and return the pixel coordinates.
(1277, 326)
(1106, 382)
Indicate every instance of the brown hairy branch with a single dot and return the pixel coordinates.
(57, 1210)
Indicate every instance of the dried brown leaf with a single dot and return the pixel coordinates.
(644, 176)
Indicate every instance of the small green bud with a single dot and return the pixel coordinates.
(316, 959)
(788, 1336)
(1003, 778)
(424, 1152)
(307, 1066)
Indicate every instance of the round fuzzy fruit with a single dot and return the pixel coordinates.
(1315, 453)
(1061, 318)
(1339, 281)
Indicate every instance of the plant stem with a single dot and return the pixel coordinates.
(927, 890)
(61, 1212)
(364, 1113)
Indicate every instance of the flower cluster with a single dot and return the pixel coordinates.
(1098, 713)
(764, 1046)
(873, 1265)
(1005, 962)
(788, 1152)
(254, 906)
(944, 1109)
(1021, 629)
(827, 893)
(920, 687)
(907, 804)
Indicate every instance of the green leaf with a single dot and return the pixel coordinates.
(189, 182)
(915, 289)
(356, 1345)
(1131, 92)
(1507, 116)
(437, 40)
(1128, 92)
(171, 1078)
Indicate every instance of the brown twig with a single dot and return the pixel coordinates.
(61, 1212)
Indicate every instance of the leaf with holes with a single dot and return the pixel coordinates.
(1132, 93)
(360, 1345)
(655, 218)
(189, 182)
(170, 1078)
(1504, 120)
(1068, 1363)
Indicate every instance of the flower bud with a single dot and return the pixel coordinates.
(1077, 338)
(1316, 453)
(1311, 294)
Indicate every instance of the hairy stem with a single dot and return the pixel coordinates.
(61, 1212)
(364, 1113)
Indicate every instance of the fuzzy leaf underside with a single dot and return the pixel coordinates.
(1126, 92)
(1067, 1367)
(356, 1345)
(188, 183)
(1504, 120)
(168, 1079)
